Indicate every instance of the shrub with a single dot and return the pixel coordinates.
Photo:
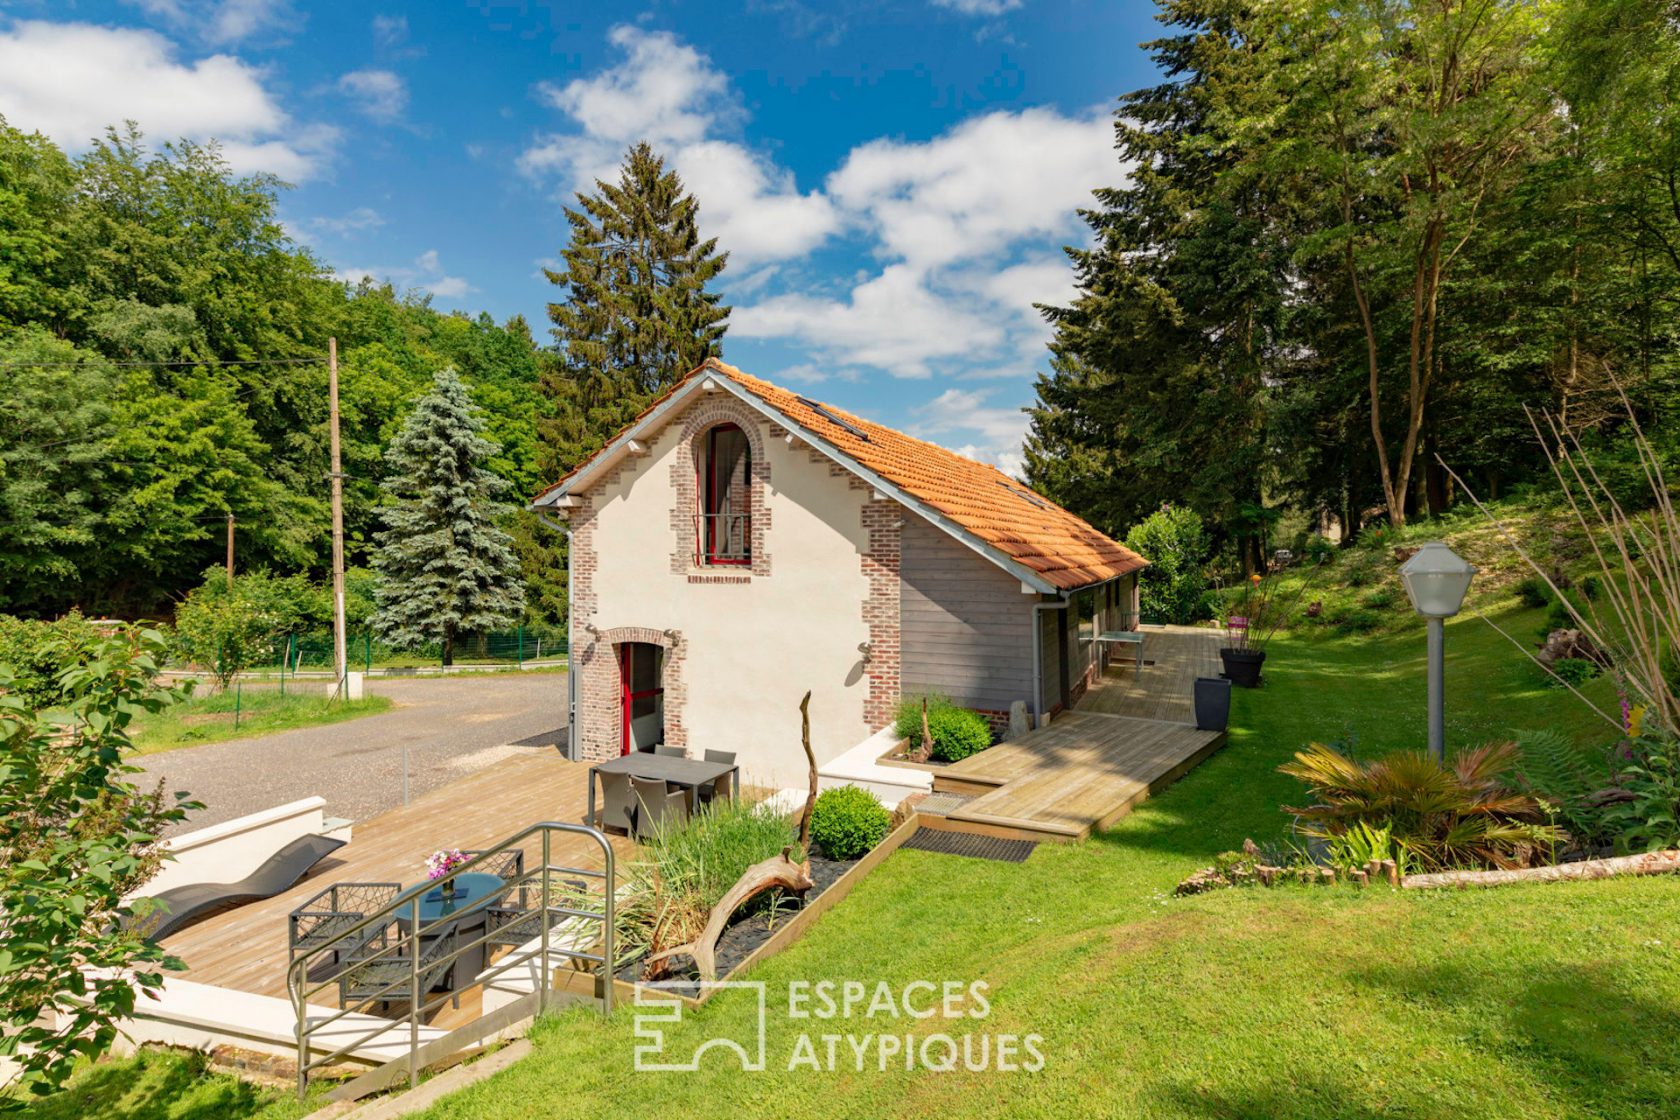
(1379, 600)
(1650, 817)
(1174, 587)
(848, 821)
(1572, 671)
(1532, 591)
(1444, 816)
(38, 652)
(1358, 621)
(1568, 782)
(958, 733)
(226, 629)
(1319, 549)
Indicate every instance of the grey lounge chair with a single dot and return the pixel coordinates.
(671, 752)
(724, 786)
(657, 803)
(330, 912)
(507, 924)
(618, 802)
(278, 873)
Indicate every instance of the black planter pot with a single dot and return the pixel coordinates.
(1213, 703)
(1242, 666)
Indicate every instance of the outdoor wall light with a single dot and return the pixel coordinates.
(1436, 580)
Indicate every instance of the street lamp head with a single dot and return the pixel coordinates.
(1436, 579)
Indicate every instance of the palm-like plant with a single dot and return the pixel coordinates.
(1441, 815)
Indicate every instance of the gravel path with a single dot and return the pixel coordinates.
(451, 725)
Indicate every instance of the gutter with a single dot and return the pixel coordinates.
(571, 664)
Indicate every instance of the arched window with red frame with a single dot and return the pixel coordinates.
(723, 525)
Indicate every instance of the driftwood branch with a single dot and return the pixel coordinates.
(1651, 863)
(771, 874)
(811, 760)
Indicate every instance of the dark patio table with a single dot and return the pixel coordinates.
(690, 772)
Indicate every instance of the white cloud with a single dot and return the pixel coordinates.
(669, 94)
(223, 22)
(986, 183)
(71, 80)
(979, 7)
(426, 273)
(967, 412)
(379, 94)
(390, 31)
(893, 321)
(360, 219)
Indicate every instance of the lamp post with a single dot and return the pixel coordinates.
(1437, 579)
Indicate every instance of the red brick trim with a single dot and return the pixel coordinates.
(693, 578)
(600, 713)
(881, 523)
(705, 414)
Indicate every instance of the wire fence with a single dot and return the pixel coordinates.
(291, 654)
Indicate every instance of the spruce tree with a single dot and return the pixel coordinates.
(443, 568)
(635, 315)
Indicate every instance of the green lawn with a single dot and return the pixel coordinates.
(165, 1085)
(209, 718)
(1533, 1002)
(1545, 1001)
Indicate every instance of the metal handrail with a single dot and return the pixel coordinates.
(409, 946)
(724, 537)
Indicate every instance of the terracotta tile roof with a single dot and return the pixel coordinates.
(1025, 527)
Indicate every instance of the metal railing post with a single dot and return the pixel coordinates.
(414, 994)
(545, 978)
(607, 936)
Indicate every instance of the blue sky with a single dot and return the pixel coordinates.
(893, 179)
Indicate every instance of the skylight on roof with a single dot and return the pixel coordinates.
(1026, 495)
(822, 410)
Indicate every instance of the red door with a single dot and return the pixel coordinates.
(641, 696)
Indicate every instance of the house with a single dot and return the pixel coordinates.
(739, 544)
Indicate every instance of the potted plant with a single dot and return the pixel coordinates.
(440, 863)
(1253, 618)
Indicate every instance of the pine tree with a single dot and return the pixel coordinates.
(636, 315)
(443, 568)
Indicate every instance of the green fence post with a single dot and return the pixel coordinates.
(522, 645)
(367, 653)
(238, 692)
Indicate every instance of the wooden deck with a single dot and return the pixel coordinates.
(246, 948)
(1132, 734)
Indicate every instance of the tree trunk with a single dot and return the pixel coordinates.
(777, 872)
(1651, 863)
(449, 646)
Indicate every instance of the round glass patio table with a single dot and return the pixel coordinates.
(470, 889)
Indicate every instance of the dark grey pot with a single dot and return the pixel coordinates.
(1242, 666)
(1213, 703)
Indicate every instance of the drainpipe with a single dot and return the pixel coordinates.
(571, 645)
(1038, 658)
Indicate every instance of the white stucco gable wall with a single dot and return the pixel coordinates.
(743, 645)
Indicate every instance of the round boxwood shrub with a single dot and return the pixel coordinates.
(847, 821)
(958, 733)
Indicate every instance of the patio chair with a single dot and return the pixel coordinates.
(384, 978)
(510, 925)
(508, 866)
(656, 803)
(618, 802)
(328, 913)
(670, 752)
(723, 786)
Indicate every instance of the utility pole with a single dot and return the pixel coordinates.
(230, 550)
(341, 653)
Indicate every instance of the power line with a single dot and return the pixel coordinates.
(93, 360)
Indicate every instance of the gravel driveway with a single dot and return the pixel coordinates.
(450, 725)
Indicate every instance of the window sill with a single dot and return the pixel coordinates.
(719, 575)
